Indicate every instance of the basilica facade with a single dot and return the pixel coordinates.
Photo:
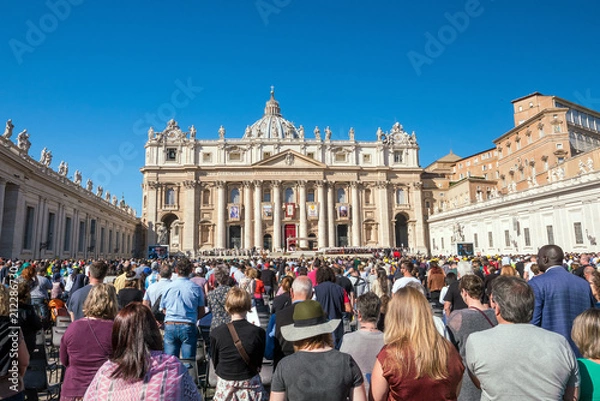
(274, 187)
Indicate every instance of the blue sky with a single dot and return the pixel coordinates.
(86, 77)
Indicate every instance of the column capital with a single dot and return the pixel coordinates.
(220, 184)
(276, 184)
(257, 183)
(302, 183)
(331, 184)
(354, 184)
(382, 184)
(320, 183)
(190, 183)
(417, 184)
(247, 183)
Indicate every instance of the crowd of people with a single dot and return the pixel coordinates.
(384, 327)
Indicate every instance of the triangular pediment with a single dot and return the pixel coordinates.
(289, 159)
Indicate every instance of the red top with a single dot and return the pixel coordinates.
(424, 388)
(259, 289)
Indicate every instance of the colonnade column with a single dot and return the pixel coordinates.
(258, 229)
(248, 215)
(152, 207)
(221, 209)
(190, 232)
(276, 188)
(384, 215)
(331, 214)
(419, 231)
(322, 240)
(302, 205)
(356, 220)
(2, 195)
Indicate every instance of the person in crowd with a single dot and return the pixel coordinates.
(237, 365)
(332, 299)
(283, 299)
(11, 359)
(435, 282)
(594, 279)
(98, 271)
(269, 278)
(365, 343)
(508, 270)
(559, 296)
(301, 291)
(385, 301)
(548, 360)
(453, 298)
(58, 287)
(131, 291)
(183, 304)
(416, 363)
(153, 277)
(80, 280)
(586, 335)
(463, 322)
(381, 285)
(156, 290)
(216, 298)
(259, 291)
(29, 321)
(70, 280)
(86, 344)
(138, 368)
(316, 371)
(199, 278)
(406, 276)
(123, 268)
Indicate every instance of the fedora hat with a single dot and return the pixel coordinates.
(309, 320)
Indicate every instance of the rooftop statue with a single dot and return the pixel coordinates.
(8, 130)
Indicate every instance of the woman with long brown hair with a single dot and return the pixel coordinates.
(138, 368)
(416, 363)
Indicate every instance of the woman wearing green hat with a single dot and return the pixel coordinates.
(316, 371)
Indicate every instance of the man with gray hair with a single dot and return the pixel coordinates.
(548, 362)
(301, 291)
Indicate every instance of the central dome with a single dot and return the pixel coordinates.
(272, 125)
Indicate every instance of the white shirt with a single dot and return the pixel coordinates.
(402, 281)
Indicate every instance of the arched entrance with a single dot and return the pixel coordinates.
(401, 231)
(311, 242)
(164, 237)
(267, 242)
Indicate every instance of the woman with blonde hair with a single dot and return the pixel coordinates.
(586, 335)
(508, 270)
(416, 363)
(86, 344)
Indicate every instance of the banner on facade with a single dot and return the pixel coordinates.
(312, 210)
(290, 209)
(267, 211)
(343, 212)
(234, 212)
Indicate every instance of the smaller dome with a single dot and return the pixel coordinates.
(272, 124)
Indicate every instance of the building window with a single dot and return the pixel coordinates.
(267, 195)
(310, 195)
(207, 157)
(527, 236)
(171, 154)
(206, 197)
(266, 155)
(28, 232)
(475, 241)
(81, 239)
(92, 234)
(340, 157)
(556, 128)
(400, 199)
(110, 241)
(170, 197)
(442, 240)
(578, 233)
(50, 232)
(310, 155)
(433, 243)
(341, 195)
(68, 228)
(235, 156)
(506, 238)
(550, 234)
(289, 195)
(102, 235)
(367, 196)
(234, 196)
(490, 239)
(367, 159)
(559, 146)
(398, 156)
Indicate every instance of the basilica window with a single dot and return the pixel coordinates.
(341, 195)
(206, 197)
(340, 157)
(234, 196)
(171, 154)
(400, 197)
(310, 155)
(289, 195)
(267, 195)
(266, 155)
(235, 156)
(310, 195)
(398, 157)
(170, 196)
(578, 233)
(368, 197)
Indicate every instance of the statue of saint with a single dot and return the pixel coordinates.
(89, 185)
(301, 132)
(590, 164)
(150, 133)
(379, 134)
(8, 130)
(77, 177)
(192, 132)
(221, 132)
(63, 168)
(351, 134)
(327, 133)
(23, 141)
(317, 133)
(99, 191)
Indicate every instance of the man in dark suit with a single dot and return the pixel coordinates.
(559, 295)
(301, 291)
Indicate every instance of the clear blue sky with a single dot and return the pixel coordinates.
(84, 86)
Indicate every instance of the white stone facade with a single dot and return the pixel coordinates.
(275, 183)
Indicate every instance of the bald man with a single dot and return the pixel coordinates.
(559, 295)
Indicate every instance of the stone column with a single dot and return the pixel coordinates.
(258, 229)
(419, 232)
(322, 240)
(221, 210)
(2, 194)
(189, 242)
(276, 190)
(330, 214)
(384, 215)
(356, 220)
(248, 215)
(151, 189)
(302, 205)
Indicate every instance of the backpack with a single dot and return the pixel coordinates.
(359, 284)
(159, 315)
